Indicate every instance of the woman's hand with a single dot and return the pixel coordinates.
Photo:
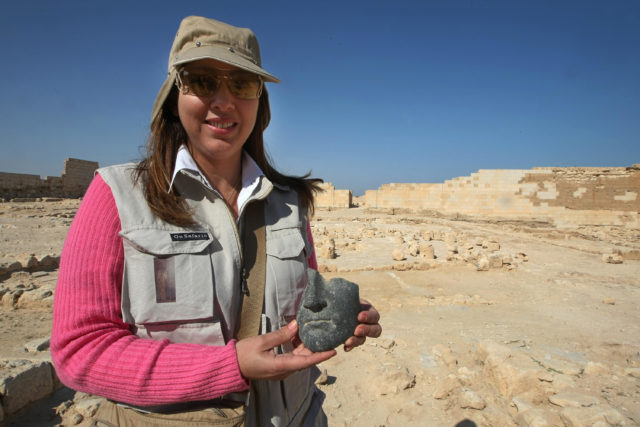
(368, 327)
(258, 360)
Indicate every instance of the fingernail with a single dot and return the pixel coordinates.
(293, 325)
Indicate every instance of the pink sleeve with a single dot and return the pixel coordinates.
(94, 351)
(313, 262)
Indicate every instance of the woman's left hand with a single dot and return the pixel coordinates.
(368, 327)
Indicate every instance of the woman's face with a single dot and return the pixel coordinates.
(217, 125)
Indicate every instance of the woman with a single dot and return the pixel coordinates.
(158, 272)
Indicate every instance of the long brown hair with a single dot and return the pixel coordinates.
(168, 134)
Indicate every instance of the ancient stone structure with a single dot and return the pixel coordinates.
(75, 179)
(564, 196)
(332, 198)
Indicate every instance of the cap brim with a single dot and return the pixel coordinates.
(223, 54)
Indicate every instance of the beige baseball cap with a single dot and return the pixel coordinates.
(200, 38)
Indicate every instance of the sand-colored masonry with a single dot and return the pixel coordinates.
(73, 182)
(565, 196)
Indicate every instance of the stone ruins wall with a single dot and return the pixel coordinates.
(332, 198)
(73, 183)
(565, 196)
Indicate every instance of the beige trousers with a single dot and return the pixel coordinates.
(113, 415)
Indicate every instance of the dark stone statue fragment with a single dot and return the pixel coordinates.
(328, 312)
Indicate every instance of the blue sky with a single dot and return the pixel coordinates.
(372, 92)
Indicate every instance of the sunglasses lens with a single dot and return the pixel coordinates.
(241, 84)
(202, 85)
(245, 87)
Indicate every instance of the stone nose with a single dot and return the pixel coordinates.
(313, 299)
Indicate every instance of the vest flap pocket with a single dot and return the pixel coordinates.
(285, 243)
(168, 275)
(157, 241)
(176, 288)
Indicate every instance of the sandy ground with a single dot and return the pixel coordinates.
(547, 335)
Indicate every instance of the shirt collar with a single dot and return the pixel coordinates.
(251, 173)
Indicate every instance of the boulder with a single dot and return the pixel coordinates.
(23, 382)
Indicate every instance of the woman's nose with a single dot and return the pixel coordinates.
(222, 98)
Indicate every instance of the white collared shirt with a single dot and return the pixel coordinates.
(251, 173)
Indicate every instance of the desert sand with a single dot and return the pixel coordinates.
(507, 323)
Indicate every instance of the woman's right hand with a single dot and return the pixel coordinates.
(258, 360)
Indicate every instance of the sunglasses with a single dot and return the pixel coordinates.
(203, 83)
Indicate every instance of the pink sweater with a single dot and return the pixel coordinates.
(94, 351)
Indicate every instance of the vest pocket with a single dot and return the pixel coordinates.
(286, 269)
(168, 289)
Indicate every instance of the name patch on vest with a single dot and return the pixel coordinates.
(181, 237)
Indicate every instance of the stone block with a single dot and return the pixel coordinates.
(427, 252)
(398, 255)
(37, 345)
(23, 382)
(600, 415)
(510, 373)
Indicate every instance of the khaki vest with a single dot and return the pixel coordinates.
(184, 283)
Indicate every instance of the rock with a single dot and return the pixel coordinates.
(28, 261)
(483, 263)
(88, 407)
(23, 382)
(397, 255)
(495, 261)
(603, 415)
(521, 404)
(465, 375)
(445, 355)
(323, 378)
(395, 380)
(614, 258)
(37, 345)
(328, 312)
(469, 399)
(7, 268)
(445, 387)
(511, 373)
(414, 249)
(491, 245)
(49, 262)
(402, 266)
(561, 366)
(537, 417)
(328, 249)
(427, 252)
(450, 239)
(370, 233)
(497, 353)
(594, 368)
(575, 400)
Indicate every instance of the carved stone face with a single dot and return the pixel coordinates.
(328, 312)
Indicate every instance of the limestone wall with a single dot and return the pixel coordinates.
(332, 198)
(73, 182)
(566, 196)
